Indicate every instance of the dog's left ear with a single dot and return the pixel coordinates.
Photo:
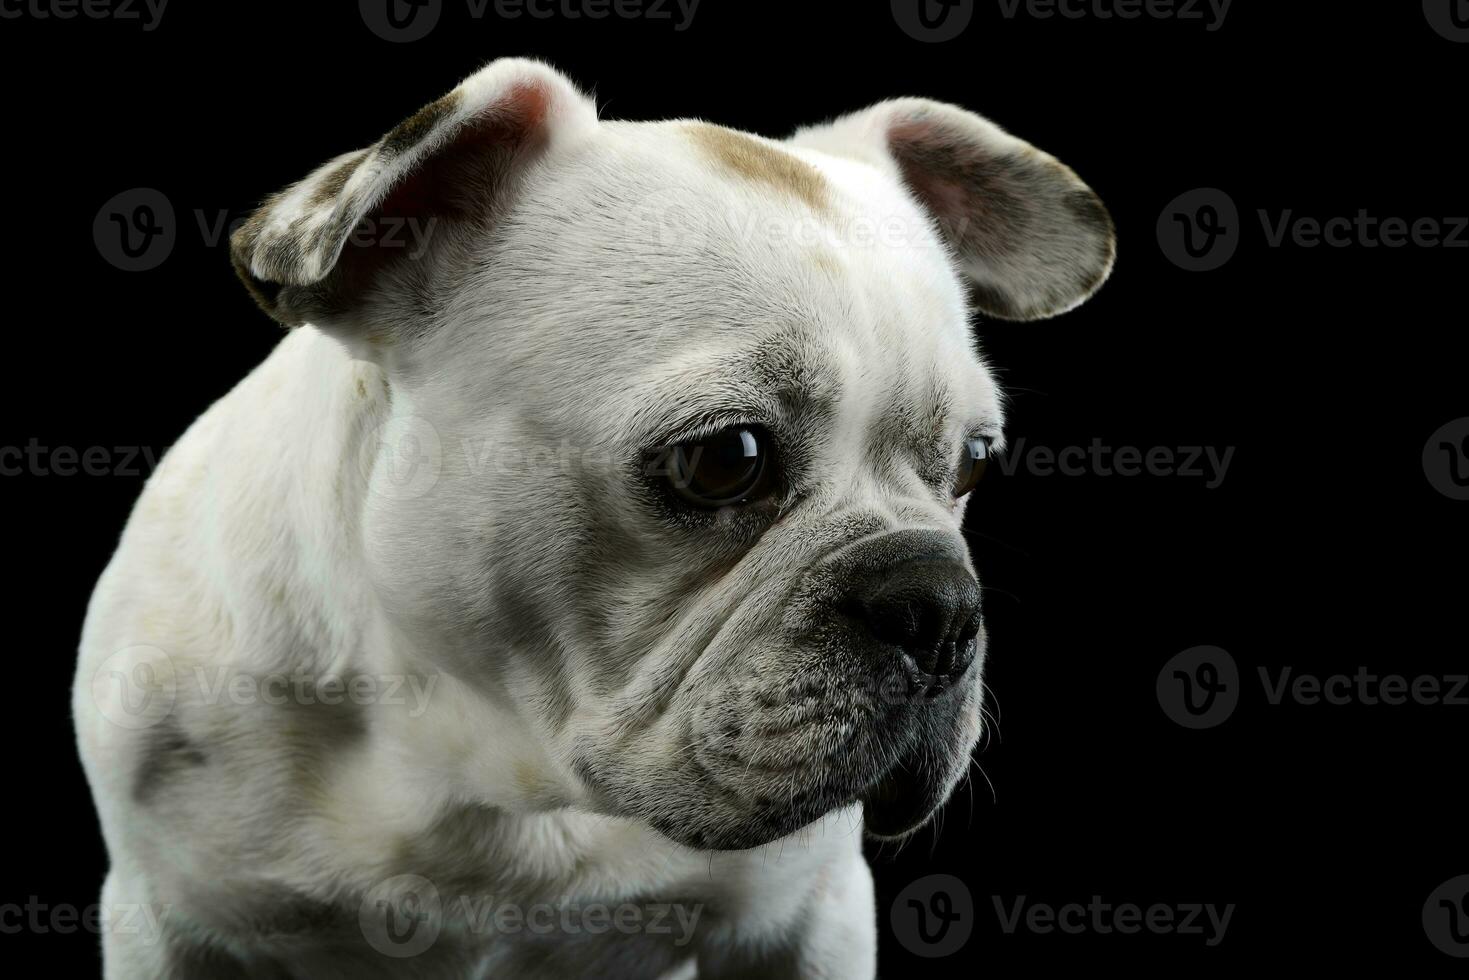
(352, 237)
(1031, 236)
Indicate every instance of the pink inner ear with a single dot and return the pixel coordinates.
(959, 181)
(531, 102)
(932, 162)
(946, 198)
(452, 181)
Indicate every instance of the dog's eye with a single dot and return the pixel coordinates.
(729, 467)
(972, 464)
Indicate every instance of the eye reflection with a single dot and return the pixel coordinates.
(726, 468)
(972, 464)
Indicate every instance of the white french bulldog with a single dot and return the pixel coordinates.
(572, 588)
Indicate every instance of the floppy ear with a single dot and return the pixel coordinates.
(1033, 238)
(318, 249)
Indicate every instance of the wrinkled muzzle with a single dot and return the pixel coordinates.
(867, 691)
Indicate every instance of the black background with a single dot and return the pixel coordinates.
(1325, 548)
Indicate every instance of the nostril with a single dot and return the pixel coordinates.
(968, 629)
(926, 608)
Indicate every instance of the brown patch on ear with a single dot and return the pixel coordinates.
(441, 163)
(412, 131)
(757, 161)
(335, 182)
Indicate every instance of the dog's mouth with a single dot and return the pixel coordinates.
(898, 759)
(902, 800)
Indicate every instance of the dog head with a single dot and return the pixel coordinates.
(702, 412)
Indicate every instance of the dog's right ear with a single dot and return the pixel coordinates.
(1032, 238)
(317, 250)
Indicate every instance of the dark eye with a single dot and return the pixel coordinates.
(972, 464)
(729, 467)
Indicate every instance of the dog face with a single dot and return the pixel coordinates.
(699, 414)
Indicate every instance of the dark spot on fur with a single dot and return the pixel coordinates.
(167, 753)
(754, 160)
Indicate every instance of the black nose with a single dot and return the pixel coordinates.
(928, 608)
